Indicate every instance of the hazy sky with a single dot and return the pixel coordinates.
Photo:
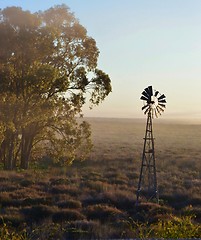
(141, 43)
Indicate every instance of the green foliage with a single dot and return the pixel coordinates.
(7, 233)
(139, 230)
(47, 231)
(175, 228)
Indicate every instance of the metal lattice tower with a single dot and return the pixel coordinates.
(147, 185)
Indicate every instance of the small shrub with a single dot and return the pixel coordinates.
(8, 187)
(59, 181)
(46, 231)
(26, 183)
(177, 201)
(15, 220)
(65, 189)
(37, 213)
(94, 200)
(82, 230)
(36, 201)
(172, 228)
(11, 202)
(192, 211)
(94, 176)
(195, 201)
(177, 228)
(117, 178)
(91, 229)
(8, 233)
(136, 229)
(121, 199)
(97, 186)
(67, 215)
(22, 193)
(71, 203)
(104, 213)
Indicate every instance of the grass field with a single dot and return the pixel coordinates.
(96, 198)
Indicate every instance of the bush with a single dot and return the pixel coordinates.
(8, 233)
(46, 231)
(71, 203)
(37, 213)
(11, 215)
(92, 229)
(177, 201)
(26, 183)
(82, 230)
(104, 213)
(67, 215)
(94, 200)
(59, 181)
(97, 186)
(11, 202)
(14, 221)
(65, 189)
(123, 200)
(36, 201)
(177, 228)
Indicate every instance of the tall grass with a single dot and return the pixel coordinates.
(96, 198)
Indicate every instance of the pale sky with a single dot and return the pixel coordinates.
(141, 43)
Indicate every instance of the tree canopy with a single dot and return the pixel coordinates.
(48, 68)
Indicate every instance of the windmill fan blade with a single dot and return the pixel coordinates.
(161, 109)
(156, 93)
(162, 105)
(162, 101)
(150, 90)
(148, 94)
(152, 113)
(158, 110)
(145, 94)
(161, 97)
(144, 98)
(147, 91)
(145, 107)
(148, 109)
(156, 113)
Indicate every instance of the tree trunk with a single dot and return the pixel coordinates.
(10, 157)
(7, 151)
(26, 147)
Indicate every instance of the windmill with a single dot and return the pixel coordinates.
(154, 105)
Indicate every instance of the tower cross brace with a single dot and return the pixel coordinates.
(147, 185)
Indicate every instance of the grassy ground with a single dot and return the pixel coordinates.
(96, 198)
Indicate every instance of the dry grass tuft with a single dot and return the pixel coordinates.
(70, 203)
(104, 213)
(67, 215)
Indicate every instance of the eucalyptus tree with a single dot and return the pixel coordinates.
(48, 70)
